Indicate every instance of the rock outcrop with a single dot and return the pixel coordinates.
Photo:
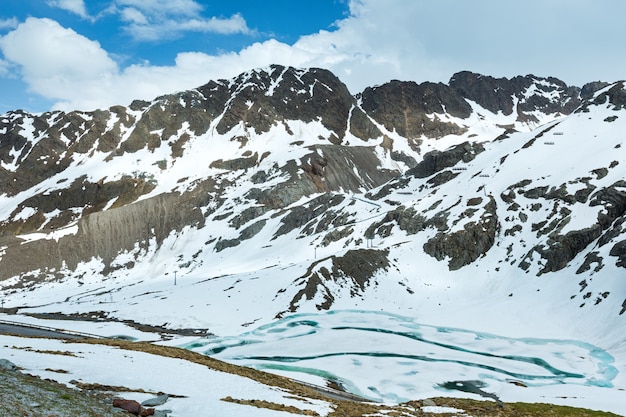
(517, 95)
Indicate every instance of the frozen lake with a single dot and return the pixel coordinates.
(391, 358)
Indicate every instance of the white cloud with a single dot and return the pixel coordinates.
(380, 40)
(134, 16)
(8, 23)
(144, 28)
(235, 24)
(55, 69)
(151, 20)
(73, 6)
(159, 8)
(58, 63)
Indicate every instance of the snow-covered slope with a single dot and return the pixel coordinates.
(490, 205)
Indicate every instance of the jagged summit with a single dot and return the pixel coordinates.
(523, 95)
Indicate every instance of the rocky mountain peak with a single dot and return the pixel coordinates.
(522, 94)
(407, 107)
(614, 95)
(262, 98)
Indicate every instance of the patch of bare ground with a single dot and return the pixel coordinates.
(23, 395)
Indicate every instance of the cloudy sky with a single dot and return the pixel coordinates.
(87, 54)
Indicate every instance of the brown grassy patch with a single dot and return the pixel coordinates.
(116, 388)
(272, 406)
(491, 409)
(110, 388)
(58, 371)
(47, 352)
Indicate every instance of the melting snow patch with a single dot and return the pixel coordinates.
(24, 213)
(56, 235)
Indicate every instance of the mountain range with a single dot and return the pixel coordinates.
(279, 191)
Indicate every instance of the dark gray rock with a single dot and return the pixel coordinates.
(616, 95)
(497, 94)
(619, 250)
(300, 215)
(353, 270)
(297, 95)
(561, 249)
(247, 233)
(156, 401)
(237, 163)
(465, 246)
(406, 106)
(436, 161)
(407, 219)
(246, 215)
(7, 364)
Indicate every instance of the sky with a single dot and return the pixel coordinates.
(88, 54)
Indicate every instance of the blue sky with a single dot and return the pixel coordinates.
(86, 54)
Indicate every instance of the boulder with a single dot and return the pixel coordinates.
(156, 401)
(7, 364)
(131, 406)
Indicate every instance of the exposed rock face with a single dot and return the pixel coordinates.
(262, 99)
(35, 147)
(436, 161)
(463, 247)
(560, 249)
(257, 100)
(407, 219)
(407, 107)
(302, 215)
(91, 197)
(354, 270)
(107, 233)
(247, 233)
(498, 94)
(615, 95)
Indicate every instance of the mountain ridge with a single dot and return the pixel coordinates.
(281, 154)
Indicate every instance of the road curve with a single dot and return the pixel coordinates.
(34, 331)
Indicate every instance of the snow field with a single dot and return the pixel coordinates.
(200, 388)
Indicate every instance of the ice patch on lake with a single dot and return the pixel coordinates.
(388, 357)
